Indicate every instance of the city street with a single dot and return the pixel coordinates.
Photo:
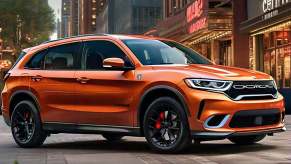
(87, 149)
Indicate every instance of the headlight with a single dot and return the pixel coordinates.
(275, 84)
(207, 84)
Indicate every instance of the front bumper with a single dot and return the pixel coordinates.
(203, 105)
(224, 135)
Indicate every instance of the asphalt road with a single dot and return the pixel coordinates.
(92, 149)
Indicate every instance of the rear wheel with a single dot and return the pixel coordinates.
(247, 140)
(112, 137)
(166, 126)
(26, 125)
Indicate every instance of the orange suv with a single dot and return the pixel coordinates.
(118, 86)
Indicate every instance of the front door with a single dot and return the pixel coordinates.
(104, 96)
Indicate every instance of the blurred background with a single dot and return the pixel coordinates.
(253, 34)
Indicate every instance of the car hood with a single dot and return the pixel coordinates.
(215, 72)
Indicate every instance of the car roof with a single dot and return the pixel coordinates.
(92, 36)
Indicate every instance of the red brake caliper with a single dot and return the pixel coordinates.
(26, 115)
(160, 119)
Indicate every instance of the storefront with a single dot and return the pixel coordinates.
(205, 26)
(269, 28)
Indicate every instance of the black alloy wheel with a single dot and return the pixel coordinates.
(26, 125)
(165, 126)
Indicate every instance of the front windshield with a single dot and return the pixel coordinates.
(156, 52)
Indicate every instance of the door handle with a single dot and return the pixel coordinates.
(36, 78)
(83, 80)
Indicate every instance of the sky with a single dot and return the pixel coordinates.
(56, 6)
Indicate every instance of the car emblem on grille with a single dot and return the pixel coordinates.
(252, 86)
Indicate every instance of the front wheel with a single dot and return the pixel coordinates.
(26, 125)
(166, 126)
(247, 140)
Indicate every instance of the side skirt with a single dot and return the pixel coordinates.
(55, 127)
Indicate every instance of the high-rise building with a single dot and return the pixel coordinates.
(87, 16)
(128, 16)
(74, 17)
(70, 18)
(58, 28)
(79, 17)
(66, 18)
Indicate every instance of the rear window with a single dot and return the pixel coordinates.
(20, 56)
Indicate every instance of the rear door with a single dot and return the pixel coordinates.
(52, 79)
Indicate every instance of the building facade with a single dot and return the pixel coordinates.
(79, 17)
(128, 16)
(65, 18)
(88, 10)
(268, 27)
(204, 25)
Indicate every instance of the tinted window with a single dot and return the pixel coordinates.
(155, 52)
(36, 62)
(20, 56)
(64, 57)
(96, 51)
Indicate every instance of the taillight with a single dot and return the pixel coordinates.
(6, 76)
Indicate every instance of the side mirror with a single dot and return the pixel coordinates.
(113, 63)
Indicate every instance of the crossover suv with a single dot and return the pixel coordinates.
(118, 85)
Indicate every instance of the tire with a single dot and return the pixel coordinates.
(112, 137)
(247, 140)
(166, 126)
(26, 126)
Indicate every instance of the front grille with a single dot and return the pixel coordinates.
(252, 90)
(253, 118)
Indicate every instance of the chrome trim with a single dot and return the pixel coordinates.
(211, 135)
(254, 95)
(252, 86)
(221, 124)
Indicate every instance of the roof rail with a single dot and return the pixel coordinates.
(76, 36)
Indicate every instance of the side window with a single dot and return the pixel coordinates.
(63, 57)
(96, 51)
(36, 62)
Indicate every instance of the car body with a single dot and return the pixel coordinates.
(216, 102)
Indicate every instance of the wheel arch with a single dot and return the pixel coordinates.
(21, 95)
(155, 92)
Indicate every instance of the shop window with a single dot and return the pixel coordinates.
(277, 52)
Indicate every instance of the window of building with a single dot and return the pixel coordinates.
(277, 52)
(64, 57)
(144, 18)
(96, 51)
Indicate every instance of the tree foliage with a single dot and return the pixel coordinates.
(33, 20)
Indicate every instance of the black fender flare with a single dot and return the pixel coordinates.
(24, 92)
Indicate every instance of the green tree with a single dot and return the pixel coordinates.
(25, 23)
